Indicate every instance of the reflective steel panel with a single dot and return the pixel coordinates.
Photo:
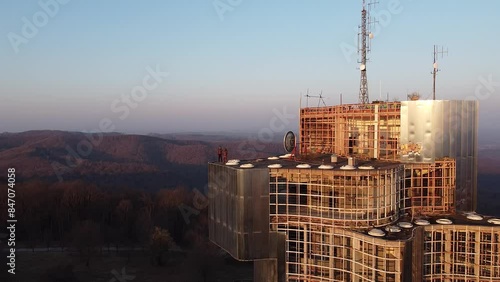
(433, 130)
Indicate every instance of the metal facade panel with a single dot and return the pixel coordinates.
(239, 213)
(223, 224)
(432, 130)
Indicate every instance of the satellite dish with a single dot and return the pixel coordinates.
(435, 65)
(289, 141)
(370, 35)
(362, 67)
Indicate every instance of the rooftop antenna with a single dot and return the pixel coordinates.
(307, 100)
(320, 97)
(364, 38)
(380, 90)
(300, 102)
(435, 70)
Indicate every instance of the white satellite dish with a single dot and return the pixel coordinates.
(435, 65)
(370, 35)
(362, 67)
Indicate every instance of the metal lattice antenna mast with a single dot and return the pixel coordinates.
(320, 97)
(364, 36)
(435, 68)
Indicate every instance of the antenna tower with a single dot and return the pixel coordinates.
(320, 98)
(364, 37)
(435, 70)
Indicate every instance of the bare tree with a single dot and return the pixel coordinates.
(161, 242)
(86, 239)
(143, 228)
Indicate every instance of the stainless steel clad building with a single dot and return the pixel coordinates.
(239, 218)
(410, 132)
(439, 129)
(379, 192)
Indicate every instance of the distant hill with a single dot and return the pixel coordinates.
(489, 179)
(165, 161)
(489, 159)
(136, 161)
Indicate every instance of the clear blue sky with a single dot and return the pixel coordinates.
(229, 71)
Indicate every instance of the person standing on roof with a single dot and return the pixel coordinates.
(219, 153)
(224, 155)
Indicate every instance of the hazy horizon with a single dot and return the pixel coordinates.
(231, 67)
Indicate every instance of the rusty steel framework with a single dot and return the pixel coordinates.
(461, 253)
(364, 131)
(316, 252)
(320, 212)
(353, 199)
(408, 132)
(430, 188)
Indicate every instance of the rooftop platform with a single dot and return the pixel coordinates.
(322, 162)
(403, 229)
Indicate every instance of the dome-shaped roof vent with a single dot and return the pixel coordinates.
(376, 232)
(303, 166)
(422, 222)
(347, 167)
(405, 224)
(495, 221)
(367, 167)
(393, 229)
(444, 221)
(325, 167)
(474, 217)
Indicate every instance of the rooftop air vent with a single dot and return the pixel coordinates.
(422, 222)
(347, 167)
(366, 167)
(333, 158)
(444, 221)
(405, 224)
(303, 166)
(393, 229)
(474, 217)
(495, 221)
(233, 162)
(376, 232)
(351, 161)
(325, 167)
